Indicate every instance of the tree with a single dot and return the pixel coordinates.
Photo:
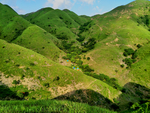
(128, 61)
(134, 55)
(129, 51)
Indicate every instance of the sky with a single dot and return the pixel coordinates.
(80, 7)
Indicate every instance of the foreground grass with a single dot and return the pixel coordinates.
(45, 106)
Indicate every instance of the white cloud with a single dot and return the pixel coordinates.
(88, 1)
(59, 4)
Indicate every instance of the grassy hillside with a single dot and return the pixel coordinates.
(15, 29)
(63, 24)
(52, 20)
(41, 106)
(104, 59)
(122, 28)
(39, 77)
(78, 19)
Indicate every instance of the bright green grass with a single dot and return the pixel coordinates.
(6, 11)
(140, 70)
(13, 56)
(40, 41)
(49, 106)
(14, 28)
(56, 22)
(115, 25)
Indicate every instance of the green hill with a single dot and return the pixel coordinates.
(63, 24)
(57, 55)
(40, 78)
(122, 28)
(14, 29)
(78, 19)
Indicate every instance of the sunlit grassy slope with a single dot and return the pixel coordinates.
(41, 106)
(78, 19)
(15, 29)
(122, 28)
(18, 61)
(58, 22)
(29, 46)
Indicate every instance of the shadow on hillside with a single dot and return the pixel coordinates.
(90, 97)
(7, 94)
(133, 93)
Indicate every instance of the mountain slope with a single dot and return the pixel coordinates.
(75, 17)
(63, 24)
(36, 71)
(13, 26)
(122, 28)
(107, 57)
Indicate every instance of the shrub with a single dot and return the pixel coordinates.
(88, 58)
(116, 101)
(129, 51)
(134, 55)
(80, 39)
(56, 78)
(15, 82)
(125, 54)
(104, 77)
(128, 61)
(46, 85)
(32, 64)
(122, 65)
(86, 68)
(22, 76)
(17, 65)
(124, 90)
(73, 60)
(64, 57)
(84, 57)
(116, 70)
(79, 62)
(139, 46)
(133, 60)
(20, 95)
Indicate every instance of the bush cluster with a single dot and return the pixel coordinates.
(86, 68)
(46, 85)
(110, 81)
(90, 44)
(85, 27)
(131, 60)
(81, 38)
(128, 52)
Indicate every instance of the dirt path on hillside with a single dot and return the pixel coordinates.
(57, 91)
(109, 93)
(91, 83)
(99, 27)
